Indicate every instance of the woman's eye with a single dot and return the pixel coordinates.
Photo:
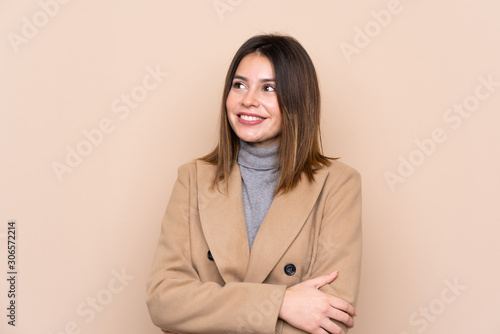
(269, 88)
(238, 85)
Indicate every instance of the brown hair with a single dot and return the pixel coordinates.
(297, 90)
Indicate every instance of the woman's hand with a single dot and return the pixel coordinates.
(311, 310)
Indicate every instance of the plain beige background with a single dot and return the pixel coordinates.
(411, 97)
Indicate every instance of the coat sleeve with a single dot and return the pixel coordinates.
(340, 238)
(179, 301)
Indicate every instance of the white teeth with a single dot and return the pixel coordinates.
(250, 118)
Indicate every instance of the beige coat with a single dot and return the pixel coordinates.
(310, 231)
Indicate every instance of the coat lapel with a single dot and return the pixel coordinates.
(282, 223)
(222, 219)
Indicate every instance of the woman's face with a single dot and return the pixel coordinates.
(252, 104)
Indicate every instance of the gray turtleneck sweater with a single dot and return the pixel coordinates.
(259, 178)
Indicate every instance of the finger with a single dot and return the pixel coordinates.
(341, 304)
(331, 327)
(319, 281)
(341, 316)
(320, 330)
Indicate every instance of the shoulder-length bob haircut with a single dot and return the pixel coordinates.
(298, 96)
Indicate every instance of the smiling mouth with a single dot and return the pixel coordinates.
(250, 118)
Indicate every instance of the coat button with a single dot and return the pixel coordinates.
(209, 255)
(290, 269)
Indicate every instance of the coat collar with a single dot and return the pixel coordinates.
(223, 222)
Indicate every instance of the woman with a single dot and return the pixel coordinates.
(262, 235)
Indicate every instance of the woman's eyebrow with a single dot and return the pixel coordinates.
(240, 77)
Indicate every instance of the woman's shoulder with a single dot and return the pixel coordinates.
(195, 167)
(339, 172)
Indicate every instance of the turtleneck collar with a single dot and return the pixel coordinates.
(262, 158)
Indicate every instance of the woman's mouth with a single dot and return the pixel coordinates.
(247, 119)
(250, 118)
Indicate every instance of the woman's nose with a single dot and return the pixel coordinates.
(251, 99)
